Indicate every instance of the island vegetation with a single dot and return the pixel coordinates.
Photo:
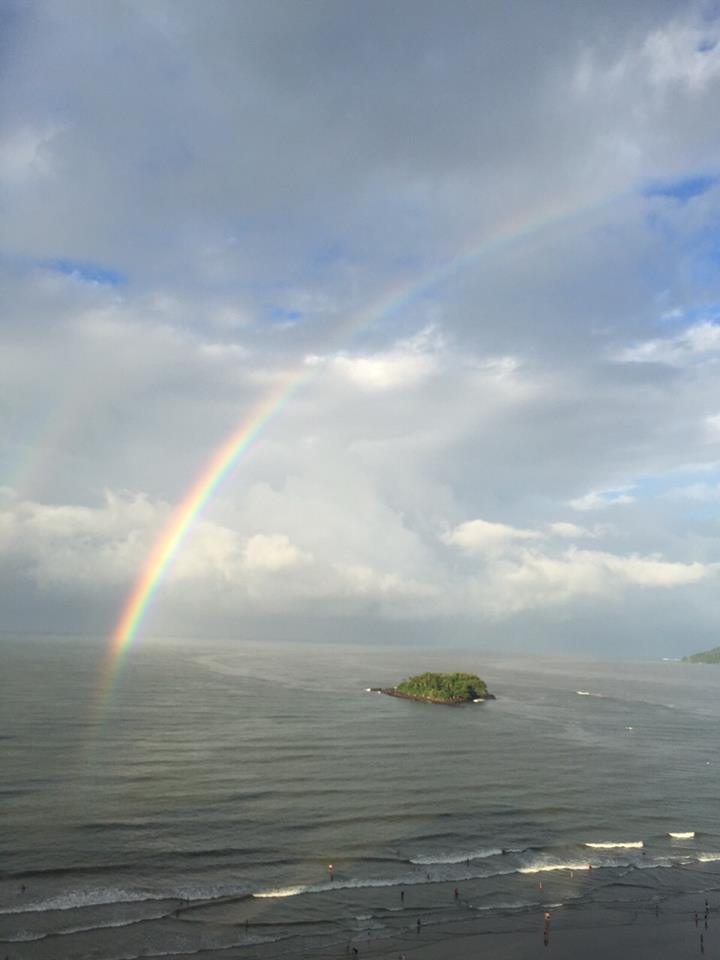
(448, 688)
(707, 656)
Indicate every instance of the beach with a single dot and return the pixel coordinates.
(576, 932)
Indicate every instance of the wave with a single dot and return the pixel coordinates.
(535, 861)
(550, 867)
(587, 693)
(686, 835)
(89, 898)
(440, 858)
(616, 844)
(23, 937)
(329, 885)
(79, 899)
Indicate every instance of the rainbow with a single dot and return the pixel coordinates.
(179, 524)
(243, 437)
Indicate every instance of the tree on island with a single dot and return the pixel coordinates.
(444, 686)
(707, 656)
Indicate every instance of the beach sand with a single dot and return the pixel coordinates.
(574, 932)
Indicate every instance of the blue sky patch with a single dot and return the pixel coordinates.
(683, 189)
(285, 315)
(88, 272)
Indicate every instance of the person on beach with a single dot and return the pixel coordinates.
(418, 925)
(330, 871)
(457, 893)
(547, 919)
(696, 918)
(402, 896)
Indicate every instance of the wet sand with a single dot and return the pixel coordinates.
(588, 932)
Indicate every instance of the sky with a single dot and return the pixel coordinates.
(466, 254)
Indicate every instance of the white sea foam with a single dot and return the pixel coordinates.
(427, 859)
(588, 693)
(616, 844)
(106, 896)
(708, 857)
(686, 835)
(86, 898)
(546, 867)
(326, 886)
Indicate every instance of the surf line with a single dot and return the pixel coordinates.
(400, 295)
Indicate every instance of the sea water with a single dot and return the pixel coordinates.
(196, 803)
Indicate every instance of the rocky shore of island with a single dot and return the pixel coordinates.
(454, 702)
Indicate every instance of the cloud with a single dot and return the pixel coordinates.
(409, 362)
(537, 581)
(479, 239)
(484, 536)
(699, 342)
(26, 155)
(271, 552)
(698, 492)
(570, 531)
(712, 425)
(600, 499)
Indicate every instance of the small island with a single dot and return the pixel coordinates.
(448, 688)
(707, 656)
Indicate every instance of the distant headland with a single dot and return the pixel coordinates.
(449, 688)
(707, 656)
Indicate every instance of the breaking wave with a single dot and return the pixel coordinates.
(616, 844)
(439, 858)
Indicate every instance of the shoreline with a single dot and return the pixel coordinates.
(592, 931)
(458, 702)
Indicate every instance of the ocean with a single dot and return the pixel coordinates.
(196, 808)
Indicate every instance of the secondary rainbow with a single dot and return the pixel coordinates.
(256, 421)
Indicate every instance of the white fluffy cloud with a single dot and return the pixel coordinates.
(698, 342)
(271, 552)
(600, 499)
(406, 364)
(537, 580)
(484, 536)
